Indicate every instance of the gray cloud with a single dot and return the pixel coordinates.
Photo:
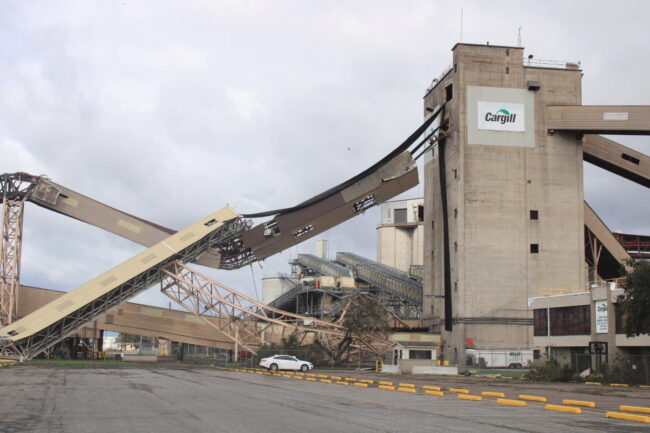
(172, 110)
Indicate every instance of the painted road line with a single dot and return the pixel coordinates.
(312, 379)
(342, 383)
(386, 387)
(386, 383)
(361, 385)
(336, 378)
(310, 375)
(350, 379)
(628, 417)
(621, 385)
(322, 376)
(560, 408)
(470, 397)
(326, 381)
(509, 402)
(644, 386)
(368, 381)
(407, 385)
(579, 403)
(637, 409)
(532, 398)
(493, 394)
(459, 390)
(431, 388)
(593, 383)
(409, 390)
(436, 393)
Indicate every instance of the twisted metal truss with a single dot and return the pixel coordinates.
(247, 322)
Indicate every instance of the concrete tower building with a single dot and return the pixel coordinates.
(508, 194)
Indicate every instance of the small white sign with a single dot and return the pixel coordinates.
(615, 116)
(501, 116)
(601, 317)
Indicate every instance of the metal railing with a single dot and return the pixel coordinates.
(322, 266)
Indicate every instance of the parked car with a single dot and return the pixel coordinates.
(285, 362)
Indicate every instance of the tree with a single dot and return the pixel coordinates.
(635, 300)
(363, 316)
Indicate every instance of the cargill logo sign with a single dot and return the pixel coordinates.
(501, 116)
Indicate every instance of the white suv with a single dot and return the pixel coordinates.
(285, 362)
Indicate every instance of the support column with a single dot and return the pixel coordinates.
(10, 251)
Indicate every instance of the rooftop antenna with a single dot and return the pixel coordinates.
(461, 24)
(519, 38)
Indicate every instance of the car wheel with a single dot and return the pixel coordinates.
(274, 367)
(304, 368)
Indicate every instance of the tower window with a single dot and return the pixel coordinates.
(507, 69)
(449, 92)
(534, 214)
(507, 51)
(534, 248)
(420, 213)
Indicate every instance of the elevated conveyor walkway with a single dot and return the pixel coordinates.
(50, 324)
(384, 277)
(613, 259)
(599, 119)
(618, 159)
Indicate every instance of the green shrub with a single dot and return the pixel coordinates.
(551, 371)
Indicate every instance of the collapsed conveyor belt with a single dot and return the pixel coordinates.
(53, 322)
(225, 235)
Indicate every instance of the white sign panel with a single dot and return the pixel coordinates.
(501, 116)
(601, 317)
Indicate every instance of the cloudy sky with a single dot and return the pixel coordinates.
(170, 110)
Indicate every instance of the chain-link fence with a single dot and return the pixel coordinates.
(226, 358)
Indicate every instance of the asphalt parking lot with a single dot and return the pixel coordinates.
(200, 400)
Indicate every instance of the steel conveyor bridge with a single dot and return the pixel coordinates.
(224, 239)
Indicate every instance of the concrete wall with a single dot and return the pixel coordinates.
(273, 287)
(491, 189)
(400, 246)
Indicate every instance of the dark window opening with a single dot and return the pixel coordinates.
(400, 215)
(630, 158)
(507, 51)
(571, 320)
(420, 213)
(211, 222)
(507, 69)
(540, 320)
(534, 215)
(455, 246)
(419, 354)
(619, 319)
(534, 248)
(455, 212)
(449, 93)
